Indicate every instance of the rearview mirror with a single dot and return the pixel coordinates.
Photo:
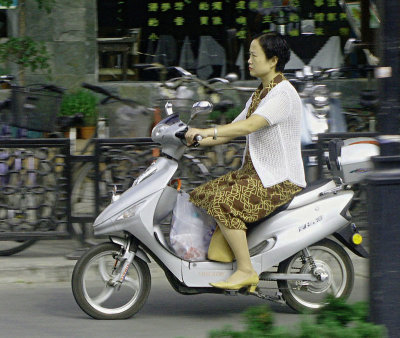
(168, 108)
(232, 77)
(201, 107)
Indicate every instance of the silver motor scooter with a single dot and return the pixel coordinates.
(289, 248)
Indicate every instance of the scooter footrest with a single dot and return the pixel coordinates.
(231, 292)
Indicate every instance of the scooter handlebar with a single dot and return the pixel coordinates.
(97, 89)
(181, 135)
(196, 141)
(6, 78)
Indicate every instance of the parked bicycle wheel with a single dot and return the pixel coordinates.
(8, 248)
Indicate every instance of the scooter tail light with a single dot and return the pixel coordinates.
(357, 238)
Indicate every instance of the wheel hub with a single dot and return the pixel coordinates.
(323, 274)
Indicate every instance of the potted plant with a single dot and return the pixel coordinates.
(81, 102)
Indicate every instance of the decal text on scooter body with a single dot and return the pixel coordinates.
(211, 274)
(310, 223)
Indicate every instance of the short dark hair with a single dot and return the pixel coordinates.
(274, 44)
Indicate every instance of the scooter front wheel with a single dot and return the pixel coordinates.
(96, 287)
(335, 271)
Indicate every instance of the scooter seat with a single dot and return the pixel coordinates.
(311, 193)
(306, 196)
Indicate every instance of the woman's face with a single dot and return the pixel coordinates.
(259, 65)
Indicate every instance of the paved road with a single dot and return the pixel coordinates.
(36, 301)
(49, 310)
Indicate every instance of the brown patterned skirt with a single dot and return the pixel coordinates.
(239, 197)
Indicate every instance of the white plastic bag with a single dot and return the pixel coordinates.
(191, 230)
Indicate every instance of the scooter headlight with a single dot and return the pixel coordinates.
(158, 131)
(320, 96)
(129, 212)
(321, 112)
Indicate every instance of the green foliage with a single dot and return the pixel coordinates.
(259, 318)
(47, 5)
(336, 319)
(42, 4)
(4, 71)
(25, 52)
(229, 115)
(83, 102)
(339, 311)
(6, 3)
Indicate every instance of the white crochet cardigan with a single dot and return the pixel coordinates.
(275, 150)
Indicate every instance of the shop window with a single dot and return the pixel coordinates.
(3, 23)
(119, 23)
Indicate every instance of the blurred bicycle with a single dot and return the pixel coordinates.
(28, 176)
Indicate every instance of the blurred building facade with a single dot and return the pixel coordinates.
(102, 40)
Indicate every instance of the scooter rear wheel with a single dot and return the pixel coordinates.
(336, 269)
(94, 292)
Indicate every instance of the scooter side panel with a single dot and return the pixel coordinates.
(293, 230)
(201, 274)
(138, 222)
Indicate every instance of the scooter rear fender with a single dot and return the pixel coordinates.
(345, 235)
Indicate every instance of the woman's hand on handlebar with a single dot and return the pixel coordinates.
(193, 133)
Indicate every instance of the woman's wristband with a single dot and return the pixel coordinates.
(215, 133)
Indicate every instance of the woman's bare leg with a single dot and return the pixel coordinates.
(238, 242)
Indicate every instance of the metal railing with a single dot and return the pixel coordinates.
(47, 193)
(34, 189)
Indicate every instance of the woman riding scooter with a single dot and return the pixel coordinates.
(272, 172)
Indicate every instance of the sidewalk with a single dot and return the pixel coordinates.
(46, 261)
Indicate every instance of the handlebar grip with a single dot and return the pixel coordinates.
(7, 77)
(197, 140)
(181, 135)
(54, 88)
(97, 89)
(145, 65)
(218, 79)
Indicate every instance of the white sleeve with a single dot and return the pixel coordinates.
(275, 109)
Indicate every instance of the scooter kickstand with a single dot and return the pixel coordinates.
(276, 299)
